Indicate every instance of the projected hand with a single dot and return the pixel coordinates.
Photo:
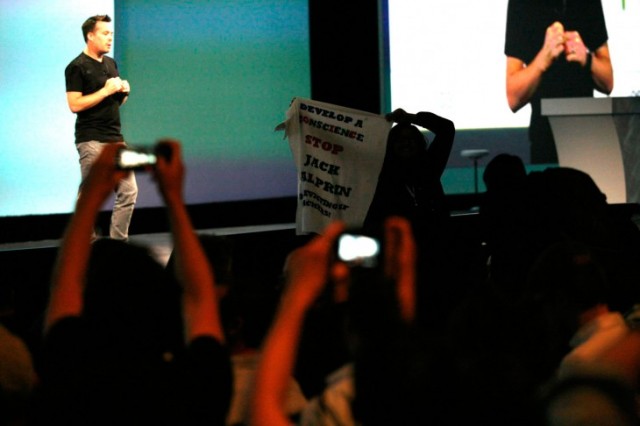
(553, 43)
(575, 50)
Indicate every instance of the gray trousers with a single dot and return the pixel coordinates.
(125, 193)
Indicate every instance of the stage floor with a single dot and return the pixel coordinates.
(159, 244)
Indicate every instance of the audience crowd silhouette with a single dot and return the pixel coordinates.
(544, 332)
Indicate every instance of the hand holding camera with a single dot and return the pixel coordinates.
(164, 160)
(169, 170)
(141, 158)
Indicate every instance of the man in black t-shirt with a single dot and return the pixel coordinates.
(554, 49)
(95, 93)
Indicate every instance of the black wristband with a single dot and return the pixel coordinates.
(587, 65)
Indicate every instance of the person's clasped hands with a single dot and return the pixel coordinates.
(117, 85)
(558, 41)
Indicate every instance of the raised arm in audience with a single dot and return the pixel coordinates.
(192, 268)
(308, 270)
(194, 273)
(67, 285)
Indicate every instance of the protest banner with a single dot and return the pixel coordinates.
(338, 153)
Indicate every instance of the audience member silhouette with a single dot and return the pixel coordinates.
(17, 373)
(410, 186)
(409, 182)
(589, 400)
(504, 349)
(560, 256)
(524, 216)
(566, 204)
(309, 271)
(131, 344)
(503, 209)
(247, 292)
(597, 381)
(505, 179)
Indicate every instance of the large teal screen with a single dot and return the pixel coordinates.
(217, 75)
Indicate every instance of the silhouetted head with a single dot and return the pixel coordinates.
(405, 141)
(569, 202)
(504, 171)
(130, 300)
(565, 185)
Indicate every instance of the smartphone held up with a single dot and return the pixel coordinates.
(358, 250)
(139, 158)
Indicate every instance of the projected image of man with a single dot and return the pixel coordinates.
(95, 92)
(554, 49)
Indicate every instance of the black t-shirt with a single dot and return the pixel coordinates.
(527, 21)
(101, 122)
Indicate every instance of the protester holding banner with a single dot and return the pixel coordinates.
(409, 183)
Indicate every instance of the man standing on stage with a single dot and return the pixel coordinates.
(95, 93)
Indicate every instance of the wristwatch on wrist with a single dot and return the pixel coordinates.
(587, 64)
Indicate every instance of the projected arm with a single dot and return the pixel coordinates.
(601, 69)
(79, 102)
(522, 79)
(598, 61)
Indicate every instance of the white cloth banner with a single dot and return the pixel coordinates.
(338, 154)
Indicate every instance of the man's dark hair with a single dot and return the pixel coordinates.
(90, 24)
